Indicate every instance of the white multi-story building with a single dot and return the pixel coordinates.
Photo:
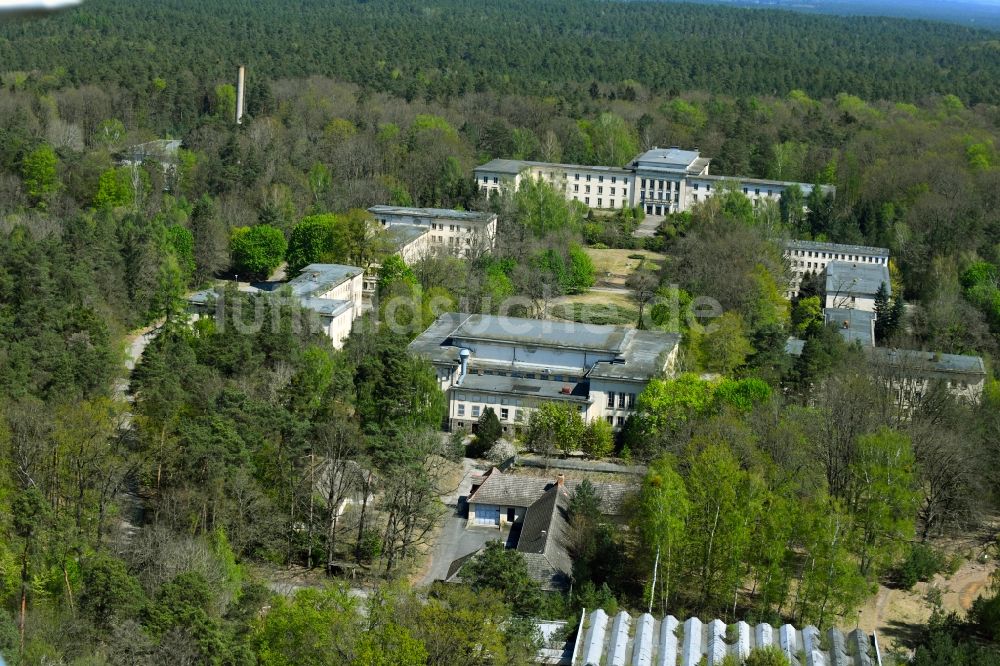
(514, 365)
(661, 181)
(812, 257)
(331, 292)
(460, 233)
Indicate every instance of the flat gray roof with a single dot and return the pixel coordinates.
(327, 307)
(317, 279)
(853, 325)
(743, 180)
(923, 361)
(530, 388)
(860, 279)
(514, 167)
(541, 332)
(404, 234)
(639, 355)
(836, 248)
(671, 160)
(446, 213)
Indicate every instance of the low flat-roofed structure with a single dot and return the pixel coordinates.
(911, 372)
(854, 325)
(513, 365)
(460, 233)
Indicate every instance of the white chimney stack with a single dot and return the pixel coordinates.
(240, 92)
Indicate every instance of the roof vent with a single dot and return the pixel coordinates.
(847, 324)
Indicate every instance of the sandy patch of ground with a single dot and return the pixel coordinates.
(898, 615)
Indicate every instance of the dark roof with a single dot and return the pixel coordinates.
(544, 540)
(402, 235)
(518, 490)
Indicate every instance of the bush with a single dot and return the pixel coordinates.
(370, 546)
(921, 563)
(770, 655)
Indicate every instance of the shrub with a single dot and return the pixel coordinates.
(370, 546)
(921, 563)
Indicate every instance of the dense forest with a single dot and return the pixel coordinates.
(449, 48)
(144, 525)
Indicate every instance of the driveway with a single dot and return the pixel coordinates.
(454, 539)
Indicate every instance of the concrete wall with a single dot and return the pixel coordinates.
(348, 290)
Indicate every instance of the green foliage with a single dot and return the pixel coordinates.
(503, 570)
(312, 628)
(41, 181)
(114, 189)
(597, 440)
(768, 655)
(110, 594)
(317, 239)
(724, 347)
(805, 313)
(555, 426)
(256, 251)
(488, 431)
(922, 562)
(393, 271)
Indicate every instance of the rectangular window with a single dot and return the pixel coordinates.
(519, 415)
(588, 177)
(504, 413)
(643, 183)
(486, 179)
(475, 411)
(611, 400)
(600, 204)
(576, 188)
(600, 179)
(696, 187)
(495, 180)
(614, 179)
(708, 187)
(610, 420)
(756, 192)
(586, 188)
(600, 189)
(461, 409)
(746, 190)
(510, 514)
(631, 400)
(621, 400)
(576, 176)
(586, 200)
(620, 421)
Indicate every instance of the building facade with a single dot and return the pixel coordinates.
(458, 233)
(661, 181)
(812, 257)
(514, 365)
(332, 293)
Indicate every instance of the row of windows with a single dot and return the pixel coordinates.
(600, 190)
(503, 414)
(661, 184)
(866, 259)
(516, 374)
(451, 227)
(486, 179)
(600, 201)
(615, 420)
(600, 179)
(659, 196)
(623, 400)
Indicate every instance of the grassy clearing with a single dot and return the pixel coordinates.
(616, 265)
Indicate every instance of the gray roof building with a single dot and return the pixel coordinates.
(317, 279)
(543, 539)
(856, 279)
(671, 160)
